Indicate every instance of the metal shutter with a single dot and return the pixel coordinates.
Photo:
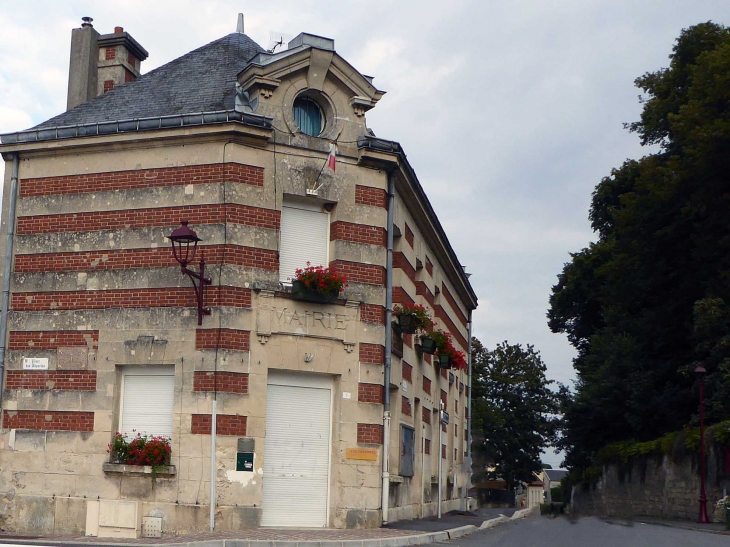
(296, 456)
(147, 401)
(304, 238)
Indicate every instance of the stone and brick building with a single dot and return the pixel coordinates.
(101, 328)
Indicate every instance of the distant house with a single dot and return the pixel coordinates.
(551, 479)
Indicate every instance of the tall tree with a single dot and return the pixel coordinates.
(628, 302)
(513, 412)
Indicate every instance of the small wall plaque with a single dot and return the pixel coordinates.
(246, 444)
(369, 454)
(35, 363)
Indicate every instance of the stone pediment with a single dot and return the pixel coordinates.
(310, 63)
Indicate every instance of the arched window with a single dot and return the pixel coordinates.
(308, 116)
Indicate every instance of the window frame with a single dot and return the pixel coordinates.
(145, 370)
(314, 207)
(403, 471)
(309, 101)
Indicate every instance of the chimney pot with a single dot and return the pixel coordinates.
(87, 22)
(118, 30)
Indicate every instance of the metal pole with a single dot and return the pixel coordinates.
(703, 518)
(8, 268)
(423, 471)
(212, 466)
(440, 452)
(388, 348)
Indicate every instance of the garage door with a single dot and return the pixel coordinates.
(296, 455)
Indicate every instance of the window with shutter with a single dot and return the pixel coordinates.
(148, 395)
(408, 439)
(304, 238)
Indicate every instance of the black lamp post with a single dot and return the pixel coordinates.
(184, 244)
(703, 518)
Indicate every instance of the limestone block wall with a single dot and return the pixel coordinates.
(94, 289)
(655, 487)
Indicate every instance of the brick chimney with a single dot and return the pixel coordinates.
(99, 63)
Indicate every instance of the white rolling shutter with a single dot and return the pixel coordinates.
(296, 456)
(147, 401)
(304, 238)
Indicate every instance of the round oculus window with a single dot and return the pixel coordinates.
(308, 116)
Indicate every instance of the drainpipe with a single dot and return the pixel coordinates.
(388, 347)
(8, 268)
(440, 455)
(213, 500)
(468, 420)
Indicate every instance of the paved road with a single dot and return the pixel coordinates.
(591, 532)
(451, 520)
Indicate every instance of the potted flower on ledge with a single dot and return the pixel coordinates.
(142, 451)
(317, 284)
(412, 318)
(447, 355)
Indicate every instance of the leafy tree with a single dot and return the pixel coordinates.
(513, 412)
(646, 301)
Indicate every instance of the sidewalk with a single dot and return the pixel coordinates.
(712, 528)
(410, 532)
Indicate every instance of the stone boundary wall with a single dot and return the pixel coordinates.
(655, 486)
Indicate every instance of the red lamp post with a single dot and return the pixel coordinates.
(184, 244)
(703, 518)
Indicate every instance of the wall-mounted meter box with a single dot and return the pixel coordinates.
(244, 461)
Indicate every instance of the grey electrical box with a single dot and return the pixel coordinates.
(246, 444)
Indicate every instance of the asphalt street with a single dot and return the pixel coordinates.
(591, 532)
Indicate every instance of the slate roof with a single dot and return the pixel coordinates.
(555, 475)
(200, 81)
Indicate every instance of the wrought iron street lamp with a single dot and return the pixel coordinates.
(703, 518)
(184, 245)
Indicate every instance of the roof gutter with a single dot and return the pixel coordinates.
(393, 147)
(134, 125)
(8, 268)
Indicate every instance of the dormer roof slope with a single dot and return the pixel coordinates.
(203, 80)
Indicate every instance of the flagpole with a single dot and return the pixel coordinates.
(333, 148)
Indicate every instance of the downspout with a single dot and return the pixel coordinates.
(8, 268)
(388, 347)
(468, 420)
(213, 499)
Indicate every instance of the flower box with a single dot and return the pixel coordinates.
(407, 323)
(317, 284)
(444, 360)
(428, 345)
(121, 468)
(300, 292)
(412, 318)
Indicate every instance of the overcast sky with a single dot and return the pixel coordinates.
(510, 111)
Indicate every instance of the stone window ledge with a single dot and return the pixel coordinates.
(167, 470)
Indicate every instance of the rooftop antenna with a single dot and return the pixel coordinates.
(277, 40)
(239, 26)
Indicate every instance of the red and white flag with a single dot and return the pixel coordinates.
(332, 158)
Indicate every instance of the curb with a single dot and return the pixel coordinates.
(402, 541)
(686, 527)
